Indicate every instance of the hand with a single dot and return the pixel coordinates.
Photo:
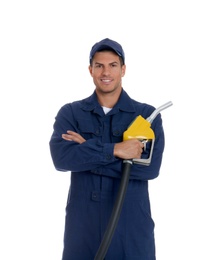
(73, 136)
(130, 149)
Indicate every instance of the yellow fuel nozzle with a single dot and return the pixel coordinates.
(140, 128)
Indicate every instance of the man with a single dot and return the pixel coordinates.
(88, 141)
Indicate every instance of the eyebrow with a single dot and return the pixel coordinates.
(113, 62)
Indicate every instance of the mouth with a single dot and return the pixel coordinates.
(106, 81)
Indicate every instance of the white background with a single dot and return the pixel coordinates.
(171, 55)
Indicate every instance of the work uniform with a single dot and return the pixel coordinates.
(95, 179)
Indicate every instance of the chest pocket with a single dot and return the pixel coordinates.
(117, 132)
(89, 130)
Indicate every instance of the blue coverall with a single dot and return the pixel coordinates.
(95, 179)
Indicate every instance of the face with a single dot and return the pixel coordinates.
(107, 72)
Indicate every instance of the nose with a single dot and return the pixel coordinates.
(106, 70)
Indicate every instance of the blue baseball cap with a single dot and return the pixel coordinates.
(107, 44)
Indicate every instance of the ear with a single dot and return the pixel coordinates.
(90, 69)
(123, 70)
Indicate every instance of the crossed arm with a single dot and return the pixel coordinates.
(129, 149)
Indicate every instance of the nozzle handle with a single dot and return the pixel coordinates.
(157, 111)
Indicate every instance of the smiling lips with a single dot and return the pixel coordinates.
(106, 81)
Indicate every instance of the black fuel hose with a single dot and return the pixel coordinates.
(115, 215)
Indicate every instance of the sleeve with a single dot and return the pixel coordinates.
(92, 155)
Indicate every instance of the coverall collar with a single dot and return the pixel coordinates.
(124, 104)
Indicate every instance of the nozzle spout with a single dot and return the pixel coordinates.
(158, 110)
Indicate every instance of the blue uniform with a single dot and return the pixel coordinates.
(95, 179)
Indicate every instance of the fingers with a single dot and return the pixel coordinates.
(132, 148)
(73, 136)
(67, 137)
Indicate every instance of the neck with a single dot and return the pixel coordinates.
(108, 99)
